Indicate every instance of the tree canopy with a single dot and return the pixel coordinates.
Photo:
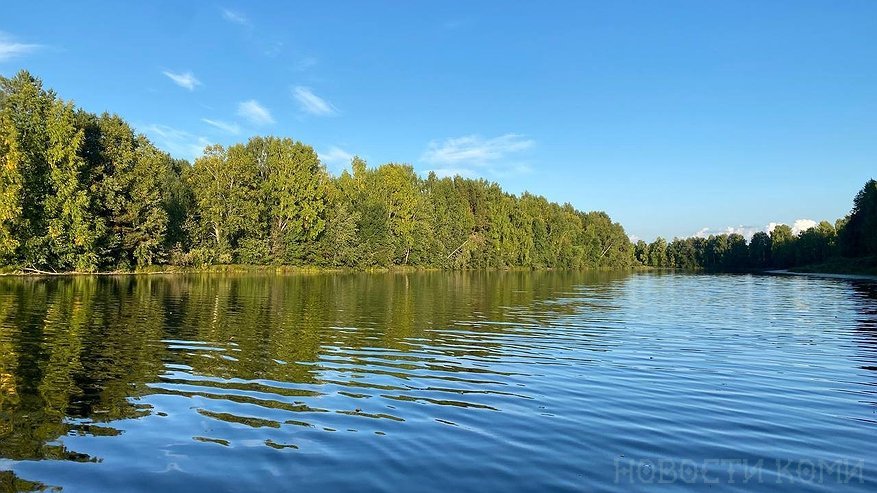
(85, 192)
(854, 236)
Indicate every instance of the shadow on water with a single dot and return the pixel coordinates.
(866, 322)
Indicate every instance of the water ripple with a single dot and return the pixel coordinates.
(437, 382)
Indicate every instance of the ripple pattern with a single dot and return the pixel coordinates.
(438, 382)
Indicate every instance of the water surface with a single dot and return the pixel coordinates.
(438, 382)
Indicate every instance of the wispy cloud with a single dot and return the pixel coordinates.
(185, 80)
(474, 149)
(336, 156)
(472, 155)
(305, 63)
(177, 143)
(311, 103)
(231, 128)
(274, 49)
(235, 17)
(255, 112)
(10, 48)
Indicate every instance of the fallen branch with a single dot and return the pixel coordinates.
(43, 272)
(459, 247)
(605, 250)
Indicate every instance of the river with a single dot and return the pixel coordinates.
(492, 381)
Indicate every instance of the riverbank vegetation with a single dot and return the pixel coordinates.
(848, 246)
(84, 192)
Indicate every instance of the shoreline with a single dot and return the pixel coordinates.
(290, 270)
(237, 269)
(824, 275)
(213, 269)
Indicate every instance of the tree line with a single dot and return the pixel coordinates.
(85, 192)
(854, 236)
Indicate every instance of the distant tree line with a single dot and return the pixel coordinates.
(85, 192)
(853, 236)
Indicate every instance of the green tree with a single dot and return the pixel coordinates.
(641, 252)
(737, 257)
(24, 184)
(73, 231)
(859, 234)
(454, 223)
(85, 192)
(397, 188)
(132, 183)
(816, 244)
(760, 250)
(782, 248)
(225, 194)
(658, 253)
(45, 218)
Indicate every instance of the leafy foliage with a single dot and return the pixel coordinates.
(852, 236)
(85, 192)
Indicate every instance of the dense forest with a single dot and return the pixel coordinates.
(854, 236)
(85, 192)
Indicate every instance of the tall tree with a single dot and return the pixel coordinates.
(782, 249)
(24, 176)
(73, 231)
(225, 193)
(859, 235)
(760, 250)
(398, 189)
(294, 194)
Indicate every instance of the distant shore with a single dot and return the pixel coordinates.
(825, 275)
(862, 268)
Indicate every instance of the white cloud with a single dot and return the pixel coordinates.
(255, 112)
(801, 225)
(468, 155)
(177, 143)
(798, 226)
(744, 231)
(311, 103)
(231, 128)
(474, 150)
(185, 80)
(10, 48)
(336, 157)
(235, 17)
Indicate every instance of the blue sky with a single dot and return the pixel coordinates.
(674, 117)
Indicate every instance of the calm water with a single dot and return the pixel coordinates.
(438, 382)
